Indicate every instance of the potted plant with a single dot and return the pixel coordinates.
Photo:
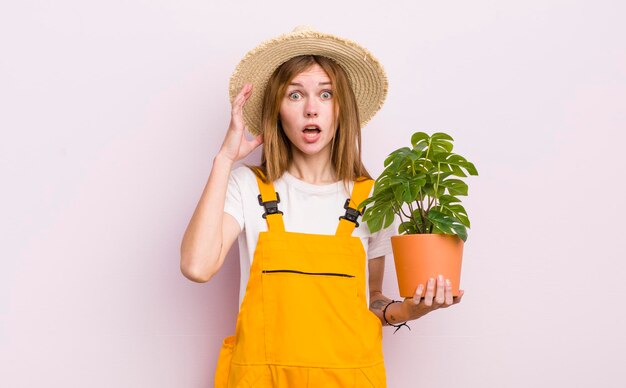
(421, 186)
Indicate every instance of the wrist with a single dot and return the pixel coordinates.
(394, 314)
(223, 160)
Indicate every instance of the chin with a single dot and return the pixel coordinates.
(311, 150)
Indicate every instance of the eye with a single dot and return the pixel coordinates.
(326, 95)
(295, 96)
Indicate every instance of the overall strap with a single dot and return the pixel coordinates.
(360, 192)
(269, 199)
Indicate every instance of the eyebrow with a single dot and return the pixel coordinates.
(298, 84)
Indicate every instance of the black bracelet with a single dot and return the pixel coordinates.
(391, 324)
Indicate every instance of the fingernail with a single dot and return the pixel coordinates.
(441, 278)
(448, 282)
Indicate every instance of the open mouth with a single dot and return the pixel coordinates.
(311, 129)
(311, 133)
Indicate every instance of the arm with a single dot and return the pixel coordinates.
(378, 301)
(438, 296)
(211, 232)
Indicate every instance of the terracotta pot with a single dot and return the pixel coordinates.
(419, 257)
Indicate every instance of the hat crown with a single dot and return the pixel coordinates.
(303, 28)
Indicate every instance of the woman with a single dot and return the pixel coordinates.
(305, 287)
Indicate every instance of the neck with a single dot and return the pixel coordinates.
(314, 169)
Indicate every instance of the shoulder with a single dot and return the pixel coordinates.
(242, 173)
(242, 180)
(243, 177)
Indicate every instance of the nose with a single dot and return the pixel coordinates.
(311, 109)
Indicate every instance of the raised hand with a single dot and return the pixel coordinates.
(235, 146)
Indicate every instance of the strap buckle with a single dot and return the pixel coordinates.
(271, 207)
(351, 214)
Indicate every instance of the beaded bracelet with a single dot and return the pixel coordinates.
(391, 324)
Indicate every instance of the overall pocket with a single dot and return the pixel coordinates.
(311, 318)
(222, 371)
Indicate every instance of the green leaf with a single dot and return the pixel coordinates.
(407, 227)
(398, 192)
(367, 201)
(437, 216)
(457, 171)
(389, 159)
(447, 224)
(447, 199)
(441, 135)
(455, 186)
(421, 146)
(439, 156)
(444, 168)
(419, 136)
(389, 217)
(407, 195)
(442, 145)
(377, 215)
(471, 169)
(429, 190)
(415, 184)
(460, 231)
(417, 153)
(457, 211)
(396, 157)
(375, 224)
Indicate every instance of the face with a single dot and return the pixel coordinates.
(306, 112)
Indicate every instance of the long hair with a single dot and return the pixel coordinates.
(346, 143)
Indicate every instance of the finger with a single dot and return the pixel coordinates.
(418, 294)
(430, 292)
(243, 96)
(246, 92)
(236, 107)
(245, 89)
(448, 292)
(440, 297)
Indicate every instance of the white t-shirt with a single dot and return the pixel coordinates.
(307, 208)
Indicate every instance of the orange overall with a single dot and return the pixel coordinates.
(304, 320)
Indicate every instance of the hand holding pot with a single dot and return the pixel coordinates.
(438, 295)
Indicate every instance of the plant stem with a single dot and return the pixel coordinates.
(421, 217)
(406, 215)
(410, 208)
(422, 212)
(413, 218)
(400, 214)
(437, 184)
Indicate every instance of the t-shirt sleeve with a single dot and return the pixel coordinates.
(233, 204)
(379, 243)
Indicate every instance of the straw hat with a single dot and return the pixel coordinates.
(367, 76)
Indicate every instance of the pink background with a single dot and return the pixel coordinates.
(111, 114)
